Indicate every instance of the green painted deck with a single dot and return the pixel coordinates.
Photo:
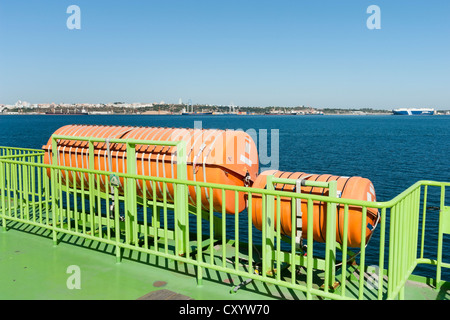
(32, 268)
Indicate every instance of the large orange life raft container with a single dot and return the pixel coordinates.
(225, 157)
(348, 187)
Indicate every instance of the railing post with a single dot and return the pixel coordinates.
(330, 246)
(181, 225)
(53, 174)
(91, 175)
(130, 197)
(3, 195)
(116, 214)
(444, 227)
(269, 229)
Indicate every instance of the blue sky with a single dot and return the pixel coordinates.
(247, 52)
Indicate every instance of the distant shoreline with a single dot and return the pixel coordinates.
(123, 108)
(193, 115)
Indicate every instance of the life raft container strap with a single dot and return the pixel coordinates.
(299, 214)
(113, 179)
(247, 179)
(194, 165)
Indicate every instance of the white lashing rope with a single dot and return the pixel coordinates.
(111, 207)
(299, 213)
(202, 147)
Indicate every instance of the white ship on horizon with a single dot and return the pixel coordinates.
(414, 111)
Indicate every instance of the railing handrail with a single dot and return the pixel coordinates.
(13, 156)
(21, 149)
(119, 141)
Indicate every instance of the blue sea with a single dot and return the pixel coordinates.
(392, 151)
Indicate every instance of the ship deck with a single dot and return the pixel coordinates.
(33, 268)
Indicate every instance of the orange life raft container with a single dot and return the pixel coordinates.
(216, 156)
(348, 187)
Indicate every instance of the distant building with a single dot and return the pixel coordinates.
(22, 104)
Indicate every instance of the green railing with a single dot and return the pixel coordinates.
(17, 153)
(38, 194)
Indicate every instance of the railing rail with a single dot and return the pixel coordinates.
(17, 153)
(152, 225)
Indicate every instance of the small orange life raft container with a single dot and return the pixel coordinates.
(225, 157)
(348, 187)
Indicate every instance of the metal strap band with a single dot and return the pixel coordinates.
(113, 179)
(299, 214)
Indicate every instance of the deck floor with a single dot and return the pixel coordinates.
(32, 268)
